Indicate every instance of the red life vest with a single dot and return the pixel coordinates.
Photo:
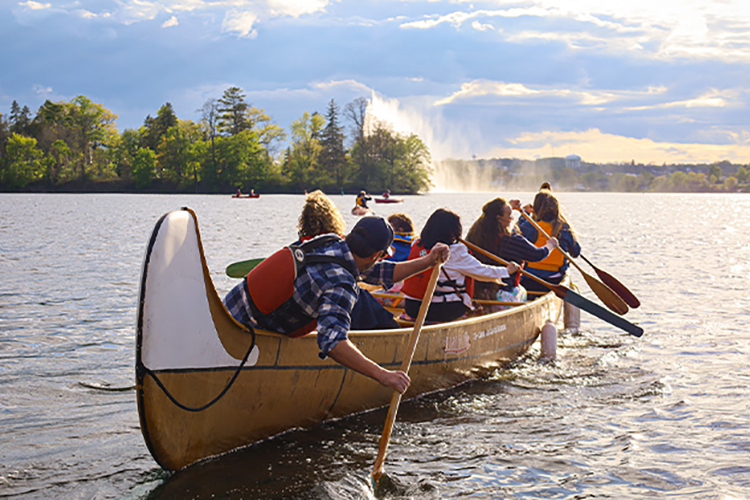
(270, 286)
(416, 285)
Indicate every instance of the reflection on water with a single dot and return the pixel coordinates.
(614, 416)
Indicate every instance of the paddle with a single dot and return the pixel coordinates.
(615, 285)
(605, 293)
(241, 268)
(570, 296)
(377, 470)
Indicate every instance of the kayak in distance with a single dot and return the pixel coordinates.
(207, 385)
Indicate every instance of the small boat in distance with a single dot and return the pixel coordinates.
(206, 384)
(389, 200)
(357, 210)
(245, 196)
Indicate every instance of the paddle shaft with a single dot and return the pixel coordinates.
(377, 470)
(570, 296)
(605, 293)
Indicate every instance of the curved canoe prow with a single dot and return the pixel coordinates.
(207, 385)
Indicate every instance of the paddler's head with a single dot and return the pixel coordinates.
(370, 241)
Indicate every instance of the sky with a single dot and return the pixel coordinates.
(611, 81)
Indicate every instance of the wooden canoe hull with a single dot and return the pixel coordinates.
(189, 348)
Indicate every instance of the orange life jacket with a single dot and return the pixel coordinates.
(555, 260)
(416, 285)
(270, 286)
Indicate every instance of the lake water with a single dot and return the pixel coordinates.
(663, 416)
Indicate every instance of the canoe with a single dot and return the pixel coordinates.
(245, 196)
(389, 200)
(207, 385)
(357, 210)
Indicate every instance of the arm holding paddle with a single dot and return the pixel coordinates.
(439, 254)
(347, 354)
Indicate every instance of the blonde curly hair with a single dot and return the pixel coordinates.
(320, 216)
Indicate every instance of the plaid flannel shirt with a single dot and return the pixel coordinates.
(325, 291)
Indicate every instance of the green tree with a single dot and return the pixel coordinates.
(60, 168)
(20, 119)
(333, 154)
(144, 168)
(93, 126)
(233, 117)
(414, 166)
(730, 184)
(302, 166)
(156, 128)
(742, 174)
(714, 173)
(23, 162)
(174, 155)
(4, 135)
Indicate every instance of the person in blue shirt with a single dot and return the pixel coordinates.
(403, 236)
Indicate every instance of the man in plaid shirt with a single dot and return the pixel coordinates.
(327, 292)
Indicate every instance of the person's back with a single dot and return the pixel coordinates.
(403, 236)
(453, 294)
(548, 216)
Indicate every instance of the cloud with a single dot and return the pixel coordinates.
(172, 21)
(296, 8)
(481, 88)
(241, 23)
(595, 146)
(36, 5)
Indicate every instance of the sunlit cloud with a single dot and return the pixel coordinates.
(172, 21)
(482, 27)
(595, 146)
(483, 88)
(240, 23)
(296, 8)
(36, 5)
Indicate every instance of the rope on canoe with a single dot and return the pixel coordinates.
(220, 395)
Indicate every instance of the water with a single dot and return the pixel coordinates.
(664, 416)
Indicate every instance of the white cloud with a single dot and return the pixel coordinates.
(482, 27)
(482, 88)
(296, 8)
(172, 21)
(350, 84)
(36, 5)
(240, 23)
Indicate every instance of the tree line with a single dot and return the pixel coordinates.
(76, 146)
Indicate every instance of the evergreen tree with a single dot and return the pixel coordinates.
(20, 119)
(333, 155)
(156, 128)
(233, 109)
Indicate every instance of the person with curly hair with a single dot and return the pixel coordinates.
(319, 216)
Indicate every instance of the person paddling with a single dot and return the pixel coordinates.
(548, 215)
(324, 291)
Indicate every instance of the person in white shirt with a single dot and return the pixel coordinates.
(452, 298)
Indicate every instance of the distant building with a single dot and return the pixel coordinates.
(573, 161)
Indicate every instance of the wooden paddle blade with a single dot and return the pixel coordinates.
(240, 269)
(615, 285)
(606, 295)
(618, 288)
(579, 301)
